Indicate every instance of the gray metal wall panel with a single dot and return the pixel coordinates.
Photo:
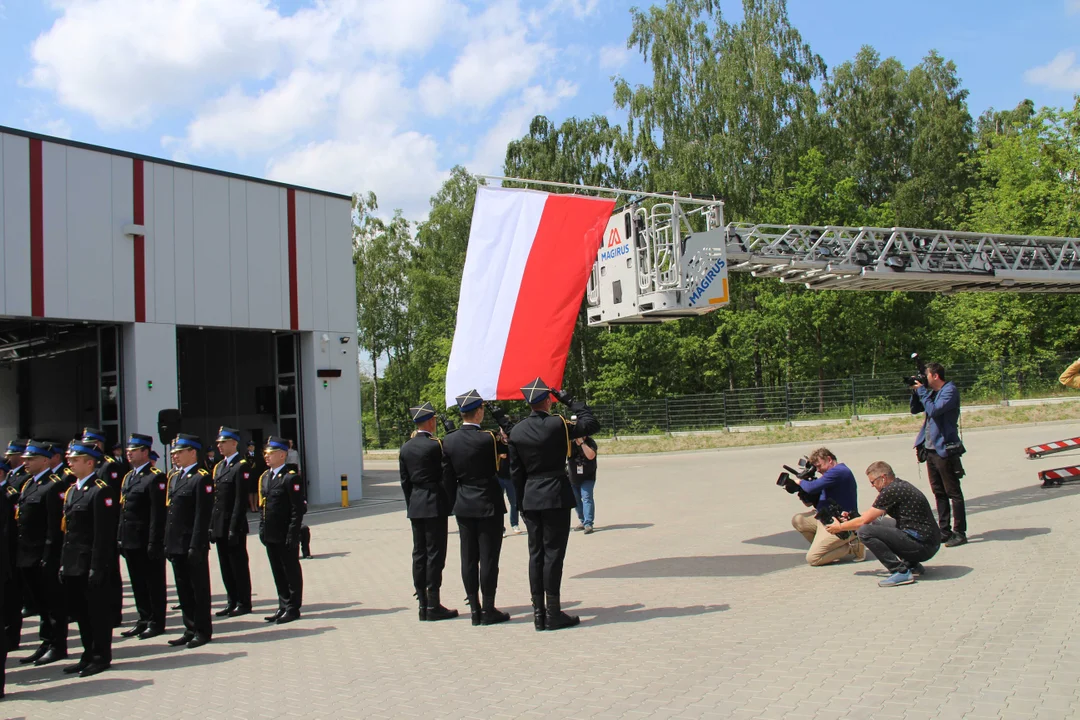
(16, 270)
(265, 210)
(213, 304)
(283, 259)
(55, 229)
(340, 272)
(317, 262)
(184, 246)
(303, 261)
(3, 169)
(149, 250)
(161, 235)
(123, 246)
(238, 260)
(89, 218)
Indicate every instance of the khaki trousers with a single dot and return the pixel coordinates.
(825, 547)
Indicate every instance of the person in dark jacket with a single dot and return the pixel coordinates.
(5, 561)
(470, 470)
(189, 503)
(14, 596)
(938, 443)
(111, 470)
(229, 525)
(86, 561)
(583, 480)
(539, 448)
(428, 506)
(40, 512)
(142, 536)
(281, 497)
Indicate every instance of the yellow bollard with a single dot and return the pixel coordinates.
(344, 491)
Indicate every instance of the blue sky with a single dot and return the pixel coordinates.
(388, 95)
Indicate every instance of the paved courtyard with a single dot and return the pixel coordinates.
(695, 602)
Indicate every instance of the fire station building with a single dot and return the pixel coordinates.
(131, 285)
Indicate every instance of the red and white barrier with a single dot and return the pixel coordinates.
(1057, 476)
(1037, 451)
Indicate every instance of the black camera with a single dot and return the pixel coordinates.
(807, 471)
(501, 418)
(448, 425)
(920, 376)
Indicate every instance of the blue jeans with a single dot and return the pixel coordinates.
(511, 496)
(583, 494)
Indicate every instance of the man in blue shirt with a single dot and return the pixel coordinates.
(836, 484)
(937, 444)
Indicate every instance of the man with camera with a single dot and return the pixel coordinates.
(835, 488)
(903, 540)
(938, 445)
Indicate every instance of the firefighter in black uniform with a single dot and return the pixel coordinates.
(539, 448)
(189, 502)
(471, 474)
(281, 497)
(89, 524)
(228, 522)
(5, 560)
(428, 506)
(13, 595)
(141, 536)
(112, 471)
(40, 511)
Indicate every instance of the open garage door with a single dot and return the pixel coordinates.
(57, 378)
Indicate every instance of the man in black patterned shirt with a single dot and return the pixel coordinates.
(901, 541)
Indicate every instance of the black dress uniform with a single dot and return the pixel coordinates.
(229, 527)
(89, 524)
(142, 541)
(281, 497)
(14, 595)
(39, 517)
(471, 473)
(189, 503)
(428, 506)
(111, 471)
(5, 563)
(539, 448)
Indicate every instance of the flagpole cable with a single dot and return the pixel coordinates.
(614, 191)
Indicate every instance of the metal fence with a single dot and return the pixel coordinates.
(838, 398)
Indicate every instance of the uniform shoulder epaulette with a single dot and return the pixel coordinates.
(242, 461)
(11, 491)
(202, 471)
(101, 484)
(53, 477)
(291, 472)
(69, 471)
(155, 470)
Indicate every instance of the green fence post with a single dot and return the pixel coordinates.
(667, 416)
(723, 396)
(787, 403)
(1004, 388)
(854, 402)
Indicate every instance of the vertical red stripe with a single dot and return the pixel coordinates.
(556, 273)
(138, 216)
(294, 306)
(37, 232)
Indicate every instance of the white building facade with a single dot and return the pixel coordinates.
(131, 285)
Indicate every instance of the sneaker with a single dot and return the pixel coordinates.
(579, 527)
(956, 539)
(858, 550)
(517, 530)
(904, 578)
(917, 569)
(588, 529)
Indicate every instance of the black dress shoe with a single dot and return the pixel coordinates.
(198, 641)
(182, 640)
(42, 649)
(77, 667)
(137, 630)
(52, 656)
(151, 632)
(275, 616)
(94, 668)
(225, 612)
(240, 610)
(288, 617)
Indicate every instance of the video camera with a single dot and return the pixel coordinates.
(448, 425)
(501, 418)
(807, 471)
(920, 376)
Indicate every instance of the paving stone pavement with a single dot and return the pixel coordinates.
(695, 602)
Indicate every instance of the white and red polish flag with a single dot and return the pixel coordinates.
(528, 263)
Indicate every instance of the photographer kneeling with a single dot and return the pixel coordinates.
(836, 485)
(904, 539)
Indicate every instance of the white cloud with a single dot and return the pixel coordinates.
(243, 123)
(1072, 6)
(613, 57)
(580, 8)
(1061, 73)
(490, 152)
(374, 96)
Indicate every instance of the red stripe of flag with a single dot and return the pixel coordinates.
(140, 241)
(37, 232)
(556, 273)
(294, 304)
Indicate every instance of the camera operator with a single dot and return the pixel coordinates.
(904, 539)
(938, 445)
(836, 484)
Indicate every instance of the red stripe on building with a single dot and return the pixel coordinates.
(37, 232)
(137, 212)
(556, 273)
(294, 304)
